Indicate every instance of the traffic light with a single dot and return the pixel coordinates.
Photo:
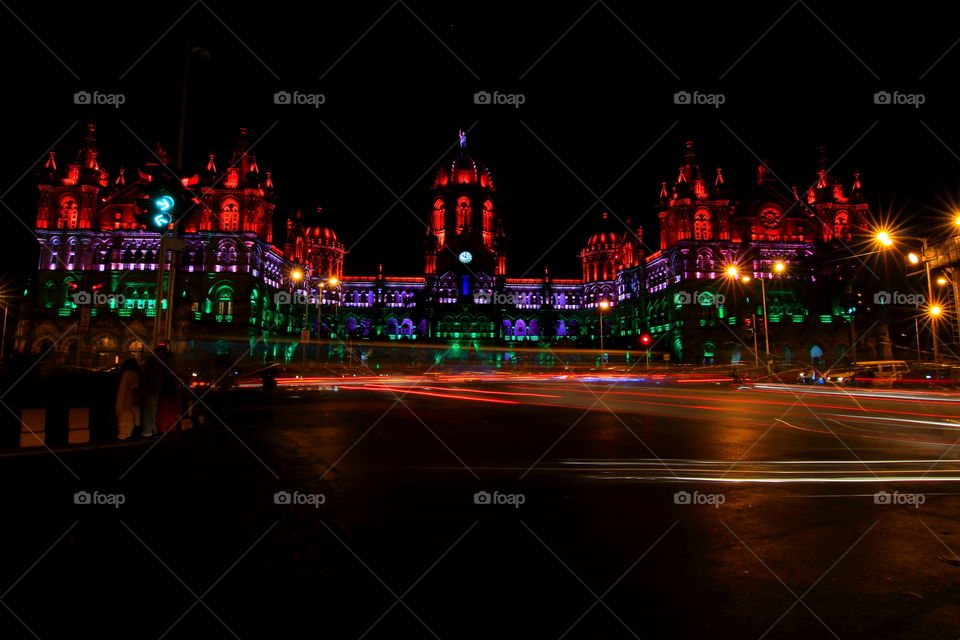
(646, 339)
(163, 200)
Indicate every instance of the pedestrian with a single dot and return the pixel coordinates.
(128, 400)
(150, 384)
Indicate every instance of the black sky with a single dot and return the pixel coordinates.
(599, 104)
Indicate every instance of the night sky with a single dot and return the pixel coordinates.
(599, 105)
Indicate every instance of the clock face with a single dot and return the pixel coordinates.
(465, 257)
(770, 218)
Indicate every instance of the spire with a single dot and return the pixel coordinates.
(51, 163)
(211, 165)
(856, 181)
(90, 148)
(795, 194)
(689, 156)
(822, 179)
(763, 172)
(268, 183)
(240, 151)
(681, 176)
(663, 191)
(253, 168)
(719, 180)
(120, 181)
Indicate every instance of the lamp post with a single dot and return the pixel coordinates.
(332, 281)
(934, 311)
(296, 276)
(778, 268)
(602, 306)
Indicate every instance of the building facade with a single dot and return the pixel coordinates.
(238, 291)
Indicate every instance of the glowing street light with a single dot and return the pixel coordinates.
(602, 306)
(884, 238)
(332, 281)
(296, 275)
(935, 310)
(778, 267)
(913, 258)
(942, 281)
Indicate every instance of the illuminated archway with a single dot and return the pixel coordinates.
(67, 212)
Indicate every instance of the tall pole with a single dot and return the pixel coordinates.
(184, 85)
(320, 320)
(916, 330)
(158, 301)
(933, 318)
(600, 316)
(766, 326)
(756, 351)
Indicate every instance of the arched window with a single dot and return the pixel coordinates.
(223, 299)
(841, 225)
(227, 254)
(68, 212)
(463, 213)
(49, 295)
(229, 214)
(704, 261)
(702, 225)
(488, 229)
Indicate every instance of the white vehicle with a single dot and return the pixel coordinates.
(868, 373)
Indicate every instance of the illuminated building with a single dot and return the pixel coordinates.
(234, 290)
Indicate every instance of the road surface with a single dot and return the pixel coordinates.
(463, 507)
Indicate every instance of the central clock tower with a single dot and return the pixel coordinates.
(464, 231)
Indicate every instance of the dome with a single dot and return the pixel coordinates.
(606, 237)
(323, 234)
(464, 169)
(603, 240)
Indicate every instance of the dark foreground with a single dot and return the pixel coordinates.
(599, 547)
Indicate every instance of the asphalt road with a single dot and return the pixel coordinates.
(521, 508)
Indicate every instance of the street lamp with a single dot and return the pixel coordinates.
(602, 306)
(779, 267)
(332, 281)
(884, 238)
